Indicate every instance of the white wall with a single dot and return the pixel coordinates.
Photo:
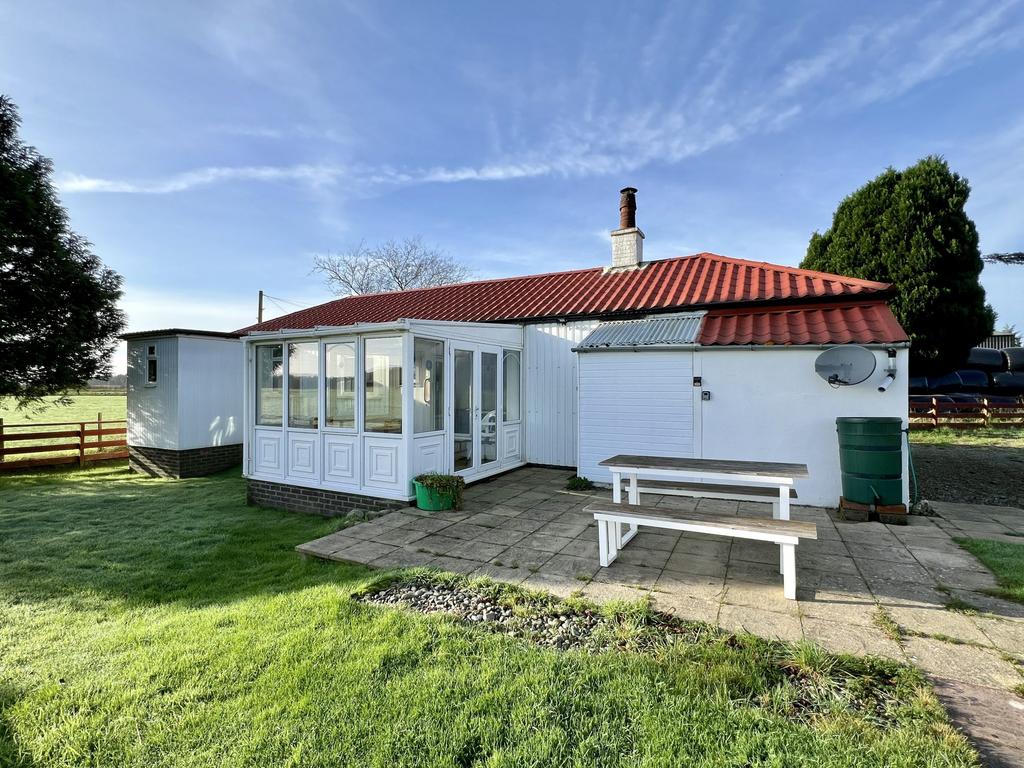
(550, 397)
(769, 405)
(210, 375)
(153, 410)
(634, 402)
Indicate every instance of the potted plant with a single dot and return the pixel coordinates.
(436, 492)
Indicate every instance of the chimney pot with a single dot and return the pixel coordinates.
(627, 208)
(627, 240)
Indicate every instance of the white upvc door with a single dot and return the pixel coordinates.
(476, 408)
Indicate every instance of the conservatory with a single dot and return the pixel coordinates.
(360, 410)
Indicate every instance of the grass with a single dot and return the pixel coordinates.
(148, 622)
(1005, 560)
(81, 407)
(1009, 437)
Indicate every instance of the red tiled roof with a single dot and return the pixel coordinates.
(848, 323)
(685, 282)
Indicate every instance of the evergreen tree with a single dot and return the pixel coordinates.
(59, 319)
(909, 228)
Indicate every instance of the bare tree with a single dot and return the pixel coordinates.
(1003, 258)
(390, 266)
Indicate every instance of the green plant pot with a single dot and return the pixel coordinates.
(430, 500)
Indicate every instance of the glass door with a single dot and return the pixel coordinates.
(488, 407)
(463, 437)
(476, 407)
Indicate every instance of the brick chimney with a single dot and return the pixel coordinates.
(627, 240)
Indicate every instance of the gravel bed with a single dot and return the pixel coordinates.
(971, 474)
(552, 626)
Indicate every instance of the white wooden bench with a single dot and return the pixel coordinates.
(611, 516)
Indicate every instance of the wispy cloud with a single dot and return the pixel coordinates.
(721, 96)
(312, 175)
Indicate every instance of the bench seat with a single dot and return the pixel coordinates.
(714, 490)
(611, 517)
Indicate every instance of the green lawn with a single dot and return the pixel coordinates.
(112, 406)
(1005, 560)
(84, 407)
(148, 622)
(1004, 437)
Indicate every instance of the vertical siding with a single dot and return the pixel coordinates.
(153, 411)
(550, 394)
(209, 392)
(634, 402)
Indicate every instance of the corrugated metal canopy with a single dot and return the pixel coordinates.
(672, 331)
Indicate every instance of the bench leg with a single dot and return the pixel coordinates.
(788, 570)
(602, 542)
(622, 538)
(783, 502)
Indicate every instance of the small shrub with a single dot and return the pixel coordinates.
(578, 483)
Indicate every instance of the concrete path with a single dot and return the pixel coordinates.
(903, 592)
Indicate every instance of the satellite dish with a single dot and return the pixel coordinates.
(842, 366)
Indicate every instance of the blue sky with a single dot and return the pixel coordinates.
(209, 150)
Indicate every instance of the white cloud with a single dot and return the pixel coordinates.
(721, 96)
(313, 175)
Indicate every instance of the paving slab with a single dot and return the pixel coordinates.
(778, 626)
(991, 718)
(840, 637)
(981, 666)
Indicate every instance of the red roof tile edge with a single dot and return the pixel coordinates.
(687, 282)
(839, 323)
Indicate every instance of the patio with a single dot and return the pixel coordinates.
(525, 528)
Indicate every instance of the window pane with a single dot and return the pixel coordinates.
(428, 385)
(462, 454)
(341, 385)
(489, 407)
(269, 383)
(382, 402)
(303, 378)
(151, 371)
(512, 382)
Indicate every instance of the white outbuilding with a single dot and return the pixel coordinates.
(184, 401)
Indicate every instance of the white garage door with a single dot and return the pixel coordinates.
(634, 402)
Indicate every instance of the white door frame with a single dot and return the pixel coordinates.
(477, 417)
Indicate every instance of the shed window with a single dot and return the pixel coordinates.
(269, 384)
(303, 385)
(151, 366)
(428, 385)
(340, 408)
(382, 399)
(512, 382)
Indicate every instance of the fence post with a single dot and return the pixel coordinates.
(2, 457)
(935, 413)
(81, 443)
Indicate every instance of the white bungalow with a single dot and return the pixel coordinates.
(345, 403)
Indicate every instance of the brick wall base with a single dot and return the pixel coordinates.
(193, 462)
(318, 501)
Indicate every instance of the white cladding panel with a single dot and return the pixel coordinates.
(770, 405)
(153, 409)
(634, 402)
(549, 400)
(210, 381)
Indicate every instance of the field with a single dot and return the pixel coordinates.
(82, 407)
(148, 622)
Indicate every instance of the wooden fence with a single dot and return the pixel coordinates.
(982, 414)
(66, 442)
